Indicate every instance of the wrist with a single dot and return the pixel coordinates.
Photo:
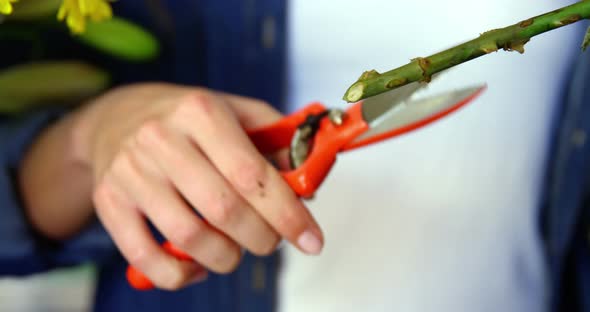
(79, 138)
(55, 181)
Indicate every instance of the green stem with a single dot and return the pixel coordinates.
(511, 38)
(586, 42)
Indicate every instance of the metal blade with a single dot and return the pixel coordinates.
(374, 107)
(411, 112)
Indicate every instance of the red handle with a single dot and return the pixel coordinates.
(140, 282)
(304, 180)
(278, 135)
(328, 141)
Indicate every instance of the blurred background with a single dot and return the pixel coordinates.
(67, 290)
(442, 219)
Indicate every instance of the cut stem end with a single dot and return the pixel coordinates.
(355, 92)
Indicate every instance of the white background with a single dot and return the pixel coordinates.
(442, 219)
(438, 220)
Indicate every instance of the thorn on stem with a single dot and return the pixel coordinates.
(526, 23)
(424, 64)
(396, 82)
(489, 47)
(516, 45)
(567, 20)
(369, 74)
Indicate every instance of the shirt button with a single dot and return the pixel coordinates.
(268, 32)
(258, 276)
(578, 137)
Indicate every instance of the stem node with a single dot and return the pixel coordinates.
(510, 38)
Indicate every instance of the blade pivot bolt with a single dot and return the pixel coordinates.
(336, 116)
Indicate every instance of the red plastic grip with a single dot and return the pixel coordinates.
(306, 179)
(328, 142)
(139, 281)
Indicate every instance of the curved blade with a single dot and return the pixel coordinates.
(407, 116)
(375, 106)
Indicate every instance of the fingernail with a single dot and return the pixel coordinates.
(310, 243)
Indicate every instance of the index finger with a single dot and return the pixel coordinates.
(251, 113)
(254, 113)
(229, 148)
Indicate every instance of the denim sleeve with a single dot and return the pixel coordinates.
(22, 250)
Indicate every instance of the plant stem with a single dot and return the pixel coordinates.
(511, 38)
(586, 41)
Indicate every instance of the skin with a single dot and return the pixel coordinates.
(159, 152)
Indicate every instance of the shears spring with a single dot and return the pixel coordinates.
(302, 140)
(316, 134)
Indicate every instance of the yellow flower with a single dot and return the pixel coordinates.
(6, 6)
(77, 11)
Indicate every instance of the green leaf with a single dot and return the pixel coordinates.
(33, 9)
(27, 86)
(586, 41)
(121, 39)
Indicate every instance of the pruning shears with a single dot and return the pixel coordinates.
(316, 134)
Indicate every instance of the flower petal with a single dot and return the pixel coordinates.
(76, 22)
(84, 6)
(101, 11)
(5, 7)
(76, 12)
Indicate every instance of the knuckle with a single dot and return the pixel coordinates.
(138, 256)
(290, 222)
(196, 103)
(186, 236)
(257, 108)
(223, 209)
(125, 165)
(175, 279)
(121, 162)
(101, 194)
(266, 248)
(151, 132)
(250, 176)
(265, 109)
(104, 201)
(229, 262)
(262, 103)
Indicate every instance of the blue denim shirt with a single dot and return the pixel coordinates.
(565, 218)
(239, 46)
(235, 46)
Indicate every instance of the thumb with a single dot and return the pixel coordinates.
(252, 113)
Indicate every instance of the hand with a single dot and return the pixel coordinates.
(159, 152)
